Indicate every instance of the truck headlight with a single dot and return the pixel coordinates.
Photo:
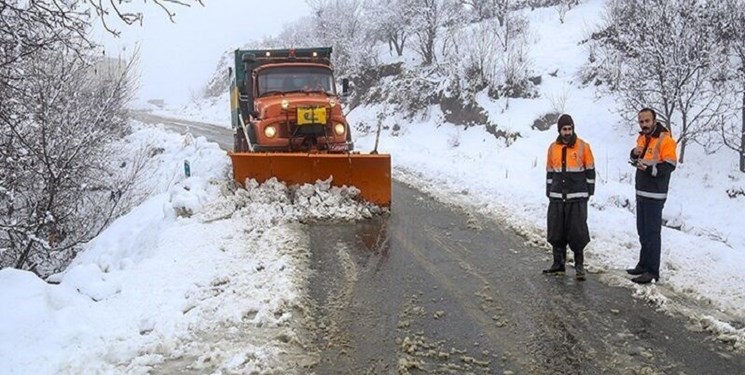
(339, 128)
(285, 103)
(270, 131)
(332, 102)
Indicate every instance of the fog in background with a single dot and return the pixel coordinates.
(176, 59)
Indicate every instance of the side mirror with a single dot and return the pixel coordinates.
(345, 87)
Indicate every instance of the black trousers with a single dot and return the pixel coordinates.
(649, 227)
(567, 224)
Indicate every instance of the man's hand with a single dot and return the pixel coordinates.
(638, 164)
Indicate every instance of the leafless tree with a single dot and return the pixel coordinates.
(61, 108)
(389, 22)
(123, 10)
(664, 54)
(486, 9)
(474, 56)
(489, 55)
(454, 20)
(59, 189)
(338, 23)
(34, 27)
(516, 67)
(514, 31)
(733, 33)
(427, 17)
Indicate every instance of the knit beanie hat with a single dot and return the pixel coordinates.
(565, 120)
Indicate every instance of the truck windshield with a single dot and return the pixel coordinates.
(295, 78)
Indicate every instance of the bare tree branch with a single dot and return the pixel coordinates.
(61, 107)
(674, 67)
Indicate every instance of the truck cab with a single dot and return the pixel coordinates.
(286, 101)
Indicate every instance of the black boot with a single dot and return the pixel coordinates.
(557, 268)
(645, 278)
(635, 271)
(579, 265)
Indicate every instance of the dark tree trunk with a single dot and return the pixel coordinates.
(397, 41)
(742, 136)
(683, 140)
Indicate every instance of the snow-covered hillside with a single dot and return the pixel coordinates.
(169, 285)
(703, 246)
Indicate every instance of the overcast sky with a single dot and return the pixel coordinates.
(178, 58)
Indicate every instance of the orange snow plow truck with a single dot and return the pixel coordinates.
(288, 123)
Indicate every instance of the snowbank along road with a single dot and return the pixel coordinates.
(431, 288)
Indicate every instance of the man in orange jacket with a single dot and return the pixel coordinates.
(570, 181)
(654, 158)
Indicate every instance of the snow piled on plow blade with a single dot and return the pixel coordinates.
(370, 173)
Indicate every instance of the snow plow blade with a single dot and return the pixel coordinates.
(370, 173)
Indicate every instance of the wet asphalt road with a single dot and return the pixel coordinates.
(434, 289)
(222, 135)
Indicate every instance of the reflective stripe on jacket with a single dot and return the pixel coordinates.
(570, 170)
(660, 155)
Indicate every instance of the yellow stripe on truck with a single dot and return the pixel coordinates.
(234, 99)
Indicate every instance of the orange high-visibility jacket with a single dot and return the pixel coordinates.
(570, 170)
(659, 154)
